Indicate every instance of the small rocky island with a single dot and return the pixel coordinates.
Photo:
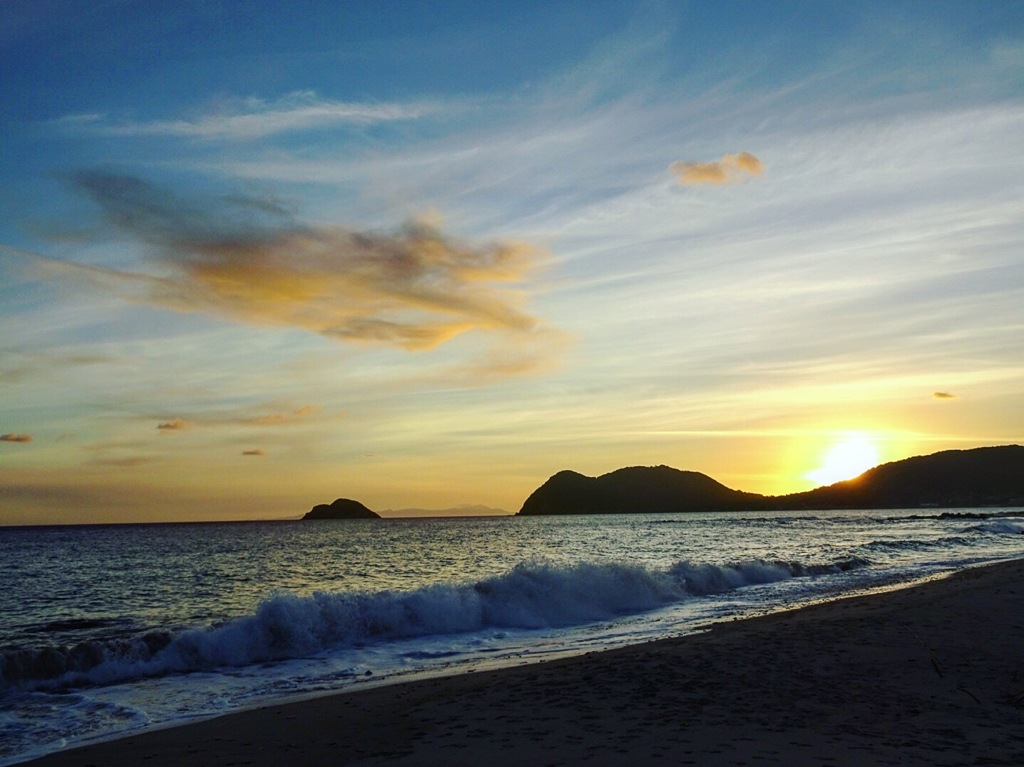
(343, 508)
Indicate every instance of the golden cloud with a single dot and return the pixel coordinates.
(274, 419)
(943, 395)
(245, 417)
(516, 357)
(15, 438)
(730, 169)
(414, 288)
(257, 452)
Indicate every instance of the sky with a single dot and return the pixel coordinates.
(258, 256)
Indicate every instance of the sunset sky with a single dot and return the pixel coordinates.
(256, 256)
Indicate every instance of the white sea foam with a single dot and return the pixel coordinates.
(531, 596)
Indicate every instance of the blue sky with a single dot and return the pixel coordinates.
(428, 254)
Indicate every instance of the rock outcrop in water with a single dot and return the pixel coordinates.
(987, 476)
(343, 508)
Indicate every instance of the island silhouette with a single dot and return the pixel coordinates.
(342, 508)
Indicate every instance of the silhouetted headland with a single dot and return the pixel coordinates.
(986, 476)
(649, 489)
(343, 508)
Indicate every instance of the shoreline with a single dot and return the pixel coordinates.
(929, 674)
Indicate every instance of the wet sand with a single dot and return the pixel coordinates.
(932, 675)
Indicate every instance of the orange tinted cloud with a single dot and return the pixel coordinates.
(413, 288)
(274, 419)
(15, 438)
(253, 452)
(515, 358)
(943, 395)
(238, 418)
(730, 169)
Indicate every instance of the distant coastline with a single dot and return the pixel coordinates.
(975, 478)
(465, 510)
(981, 477)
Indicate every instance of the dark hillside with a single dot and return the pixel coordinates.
(650, 489)
(986, 476)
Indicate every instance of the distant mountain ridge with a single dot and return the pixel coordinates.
(987, 476)
(465, 510)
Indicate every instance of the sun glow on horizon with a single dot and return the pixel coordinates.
(846, 458)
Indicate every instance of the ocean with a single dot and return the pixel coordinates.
(107, 630)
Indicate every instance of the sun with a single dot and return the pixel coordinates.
(847, 458)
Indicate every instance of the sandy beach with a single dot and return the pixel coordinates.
(931, 675)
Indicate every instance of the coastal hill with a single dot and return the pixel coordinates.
(343, 508)
(652, 489)
(988, 476)
(984, 476)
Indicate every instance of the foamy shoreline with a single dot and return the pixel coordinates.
(932, 674)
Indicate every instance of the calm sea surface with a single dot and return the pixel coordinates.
(110, 629)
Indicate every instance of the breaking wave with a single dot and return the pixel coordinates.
(998, 527)
(915, 544)
(530, 596)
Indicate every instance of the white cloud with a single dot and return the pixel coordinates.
(256, 118)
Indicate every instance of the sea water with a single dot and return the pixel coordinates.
(106, 630)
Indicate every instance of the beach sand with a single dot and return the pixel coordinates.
(931, 675)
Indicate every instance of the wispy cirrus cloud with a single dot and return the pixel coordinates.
(730, 169)
(256, 118)
(279, 419)
(239, 418)
(20, 365)
(414, 288)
